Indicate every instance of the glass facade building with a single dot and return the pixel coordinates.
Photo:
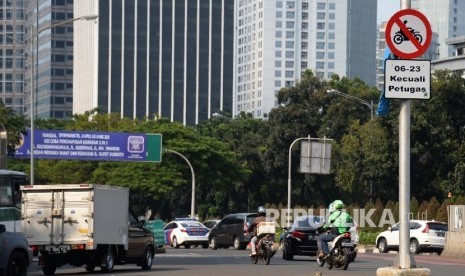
(146, 59)
(13, 55)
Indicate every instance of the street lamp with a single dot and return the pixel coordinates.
(193, 180)
(34, 88)
(337, 92)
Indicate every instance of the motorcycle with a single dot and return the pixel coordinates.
(341, 254)
(264, 249)
(400, 36)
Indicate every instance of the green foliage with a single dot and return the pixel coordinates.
(367, 237)
(14, 124)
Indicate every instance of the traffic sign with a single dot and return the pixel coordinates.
(407, 79)
(408, 33)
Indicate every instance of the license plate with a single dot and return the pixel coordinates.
(347, 244)
(440, 234)
(57, 249)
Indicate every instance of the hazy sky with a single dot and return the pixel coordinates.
(387, 8)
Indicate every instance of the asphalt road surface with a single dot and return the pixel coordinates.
(229, 262)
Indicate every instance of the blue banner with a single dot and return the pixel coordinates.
(84, 145)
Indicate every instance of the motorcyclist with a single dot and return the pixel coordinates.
(253, 228)
(338, 223)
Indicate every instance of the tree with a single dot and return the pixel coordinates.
(15, 126)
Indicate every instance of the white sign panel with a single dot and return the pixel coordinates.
(407, 79)
(316, 158)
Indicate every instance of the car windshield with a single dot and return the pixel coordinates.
(437, 226)
(191, 224)
(310, 221)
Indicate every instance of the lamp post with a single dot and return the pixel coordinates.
(34, 87)
(337, 92)
(193, 180)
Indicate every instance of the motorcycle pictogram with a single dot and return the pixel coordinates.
(400, 37)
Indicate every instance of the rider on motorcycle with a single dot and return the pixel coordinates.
(338, 223)
(253, 228)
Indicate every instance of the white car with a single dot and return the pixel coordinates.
(186, 233)
(425, 235)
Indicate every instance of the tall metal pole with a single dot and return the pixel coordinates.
(193, 181)
(32, 109)
(289, 175)
(404, 258)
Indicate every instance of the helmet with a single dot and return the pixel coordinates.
(331, 208)
(261, 210)
(338, 204)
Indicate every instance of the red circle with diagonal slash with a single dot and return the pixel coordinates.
(420, 47)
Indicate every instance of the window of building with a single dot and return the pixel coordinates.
(290, 4)
(277, 83)
(289, 34)
(277, 63)
(290, 14)
(278, 44)
(278, 34)
(289, 64)
(330, 65)
(331, 45)
(290, 24)
(289, 74)
(331, 26)
(303, 65)
(320, 55)
(289, 54)
(332, 15)
(304, 45)
(303, 55)
(331, 55)
(304, 15)
(277, 53)
(279, 24)
(320, 35)
(320, 6)
(289, 44)
(304, 25)
(277, 73)
(320, 15)
(279, 14)
(320, 45)
(304, 6)
(320, 65)
(332, 6)
(279, 4)
(320, 25)
(304, 35)
(331, 35)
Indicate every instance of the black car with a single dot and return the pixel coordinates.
(301, 238)
(232, 230)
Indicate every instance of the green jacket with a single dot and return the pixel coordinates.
(341, 220)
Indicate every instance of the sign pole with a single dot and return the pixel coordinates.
(404, 259)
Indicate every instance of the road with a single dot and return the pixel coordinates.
(229, 262)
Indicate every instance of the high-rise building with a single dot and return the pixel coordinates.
(275, 41)
(446, 19)
(12, 54)
(145, 58)
(52, 67)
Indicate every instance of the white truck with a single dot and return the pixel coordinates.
(83, 225)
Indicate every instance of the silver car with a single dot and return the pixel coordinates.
(15, 253)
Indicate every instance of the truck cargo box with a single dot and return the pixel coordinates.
(71, 214)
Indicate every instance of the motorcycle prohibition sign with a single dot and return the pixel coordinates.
(400, 37)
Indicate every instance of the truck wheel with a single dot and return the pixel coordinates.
(17, 264)
(147, 259)
(108, 260)
(49, 269)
